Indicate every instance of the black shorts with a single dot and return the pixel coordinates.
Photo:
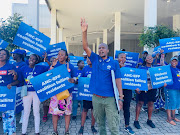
(149, 96)
(87, 105)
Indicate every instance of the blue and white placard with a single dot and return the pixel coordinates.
(160, 75)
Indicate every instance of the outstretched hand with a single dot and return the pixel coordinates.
(55, 62)
(84, 25)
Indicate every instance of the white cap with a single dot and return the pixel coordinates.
(84, 53)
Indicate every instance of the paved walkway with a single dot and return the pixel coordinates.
(162, 127)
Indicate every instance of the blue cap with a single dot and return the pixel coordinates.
(144, 52)
(174, 58)
(18, 51)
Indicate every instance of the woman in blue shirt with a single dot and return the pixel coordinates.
(61, 107)
(8, 77)
(127, 97)
(80, 65)
(29, 72)
(172, 93)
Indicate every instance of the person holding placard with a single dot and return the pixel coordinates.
(29, 72)
(87, 71)
(8, 77)
(159, 60)
(18, 56)
(104, 105)
(146, 96)
(172, 93)
(62, 107)
(80, 65)
(127, 97)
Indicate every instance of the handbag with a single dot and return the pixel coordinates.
(65, 94)
(24, 88)
(24, 91)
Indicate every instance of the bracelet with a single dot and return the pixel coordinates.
(120, 99)
(52, 66)
(121, 96)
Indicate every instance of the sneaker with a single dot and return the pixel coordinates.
(81, 131)
(136, 124)
(129, 130)
(150, 123)
(94, 131)
(54, 133)
(73, 117)
(66, 133)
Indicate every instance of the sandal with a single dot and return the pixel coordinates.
(45, 118)
(171, 122)
(94, 131)
(177, 120)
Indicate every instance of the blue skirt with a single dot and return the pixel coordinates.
(172, 99)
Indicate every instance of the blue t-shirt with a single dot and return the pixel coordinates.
(87, 71)
(72, 71)
(29, 73)
(101, 80)
(176, 79)
(6, 79)
(79, 73)
(19, 66)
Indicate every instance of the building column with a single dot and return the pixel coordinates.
(33, 14)
(94, 47)
(53, 26)
(66, 42)
(117, 32)
(97, 44)
(150, 17)
(105, 36)
(176, 25)
(60, 34)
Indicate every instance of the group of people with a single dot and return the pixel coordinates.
(103, 104)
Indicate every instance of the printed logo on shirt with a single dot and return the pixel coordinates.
(3, 72)
(17, 66)
(109, 67)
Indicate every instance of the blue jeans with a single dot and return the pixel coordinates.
(75, 107)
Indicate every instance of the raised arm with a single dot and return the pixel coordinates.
(84, 27)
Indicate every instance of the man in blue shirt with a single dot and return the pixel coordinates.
(101, 84)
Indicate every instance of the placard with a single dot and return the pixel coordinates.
(31, 39)
(3, 44)
(170, 44)
(51, 82)
(7, 98)
(133, 78)
(131, 58)
(160, 75)
(83, 89)
(52, 50)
